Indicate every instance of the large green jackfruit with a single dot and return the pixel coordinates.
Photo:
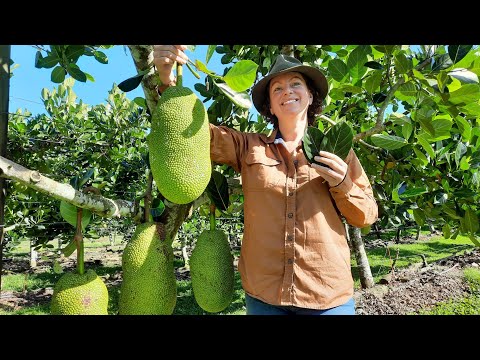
(149, 285)
(76, 294)
(212, 271)
(179, 145)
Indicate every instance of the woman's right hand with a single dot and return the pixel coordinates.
(164, 57)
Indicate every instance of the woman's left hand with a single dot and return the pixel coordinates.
(337, 171)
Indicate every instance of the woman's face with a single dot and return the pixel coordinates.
(289, 95)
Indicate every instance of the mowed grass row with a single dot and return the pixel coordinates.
(381, 260)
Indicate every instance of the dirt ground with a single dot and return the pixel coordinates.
(403, 292)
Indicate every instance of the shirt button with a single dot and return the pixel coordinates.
(295, 162)
(290, 193)
(290, 261)
(289, 237)
(290, 215)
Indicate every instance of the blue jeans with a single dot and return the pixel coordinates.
(257, 307)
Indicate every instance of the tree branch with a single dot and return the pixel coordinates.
(98, 204)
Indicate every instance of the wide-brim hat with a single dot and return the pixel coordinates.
(284, 64)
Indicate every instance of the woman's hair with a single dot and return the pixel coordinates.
(313, 110)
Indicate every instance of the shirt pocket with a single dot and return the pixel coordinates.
(261, 171)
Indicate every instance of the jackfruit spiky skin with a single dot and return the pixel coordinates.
(76, 294)
(179, 145)
(212, 271)
(149, 285)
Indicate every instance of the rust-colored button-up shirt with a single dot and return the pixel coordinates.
(294, 248)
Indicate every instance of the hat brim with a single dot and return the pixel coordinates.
(319, 81)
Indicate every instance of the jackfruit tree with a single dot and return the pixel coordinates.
(211, 269)
(413, 110)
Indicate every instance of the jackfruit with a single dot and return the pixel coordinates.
(149, 285)
(179, 145)
(212, 271)
(76, 294)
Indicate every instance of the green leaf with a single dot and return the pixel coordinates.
(69, 213)
(57, 268)
(157, 209)
(459, 152)
(468, 93)
(464, 75)
(242, 75)
(88, 174)
(337, 69)
(388, 142)
(101, 57)
(140, 101)
(458, 52)
(338, 140)
(414, 192)
(402, 64)
(210, 52)
(70, 248)
(311, 144)
(131, 83)
(76, 73)
(217, 190)
(419, 216)
(374, 65)
(373, 81)
(471, 221)
(38, 59)
(50, 61)
(58, 74)
(241, 99)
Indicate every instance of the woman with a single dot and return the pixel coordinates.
(295, 257)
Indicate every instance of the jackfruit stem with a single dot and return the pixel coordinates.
(179, 75)
(79, 243)
(212, 217)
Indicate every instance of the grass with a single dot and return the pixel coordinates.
(380, 260)
(433, 249)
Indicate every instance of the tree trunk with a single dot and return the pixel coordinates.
(4, 95)
(33, 256)
(365, 273)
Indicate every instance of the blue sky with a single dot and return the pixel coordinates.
(28, 81)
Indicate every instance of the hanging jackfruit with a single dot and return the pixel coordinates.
(212, 271)
(149, 284)
(76, 294)
(179, 145)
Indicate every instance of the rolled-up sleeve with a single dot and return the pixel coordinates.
(354, 196)
(227, 146)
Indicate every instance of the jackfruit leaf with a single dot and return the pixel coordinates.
(458, 52)
(311, 144)
(338, 140)
(388, 142)
(57, 268)
(132, 83)
(201, 67)
(157, 209)
(38, 59)
(140, 101)
(69, 214)
(217, 190)
(464, 75)
(373, 65)
(76, 73)
(241, 99)
(210, 52)
(88, 174)
(70, 248)
(242, 75)
(413, 192)
(58, 74)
